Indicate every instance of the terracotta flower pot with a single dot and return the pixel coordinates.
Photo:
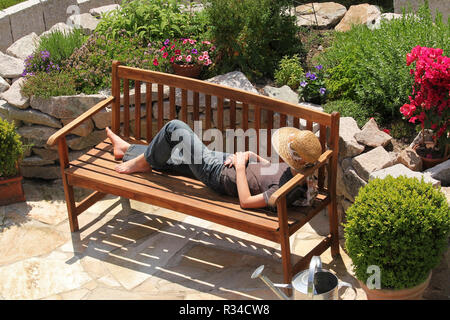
(414, 293)
(11, 190)
(429, 162)
(187, 70)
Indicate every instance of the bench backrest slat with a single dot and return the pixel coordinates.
(215, 106)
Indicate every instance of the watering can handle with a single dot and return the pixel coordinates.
(315, 264)
(346, 284)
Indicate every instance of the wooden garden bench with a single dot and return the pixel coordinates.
(95, 169)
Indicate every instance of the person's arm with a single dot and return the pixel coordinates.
(248, 155)
(246, 200)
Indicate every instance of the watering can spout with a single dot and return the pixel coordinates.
(280, 294)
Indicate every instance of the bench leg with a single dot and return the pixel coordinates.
(285, 245)
(333, 217)
(126, 206)
(71, 208)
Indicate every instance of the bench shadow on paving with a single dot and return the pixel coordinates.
(165, 252)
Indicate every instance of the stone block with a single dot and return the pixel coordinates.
(401, 170)
(322, 15)
(66, 107)
(441, 172)
(56, 11)
(29, 115)
(6, 38)
(84, 21)
(359, 14)
(4, 85)
(10, 67)
(371, 161)
(14, 95)
(348, 146)
(98, 12)
(24, 47)
(353, 182)
(26, 17)
(86, 5)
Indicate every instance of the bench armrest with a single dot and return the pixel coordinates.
(77, 121)
(298, 179)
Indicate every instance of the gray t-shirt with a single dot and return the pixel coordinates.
(265, 179)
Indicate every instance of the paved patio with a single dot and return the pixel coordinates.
(147, 252)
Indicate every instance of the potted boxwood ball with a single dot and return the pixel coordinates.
(11, 152)
(396, 232)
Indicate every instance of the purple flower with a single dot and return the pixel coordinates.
(319, 67)
(166, 42)
(194, 51)
(303, 84)
(312, 76)
(322, 91)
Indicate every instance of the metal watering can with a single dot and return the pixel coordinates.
(314, 284)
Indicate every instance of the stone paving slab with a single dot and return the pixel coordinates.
(146, 252)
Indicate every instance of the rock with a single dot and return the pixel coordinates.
(385, 17)
(46, 154)
(235, 79)
(401, 170)
(359, 14)
(418, 139)
(312, 106)
(36, 135)
(14, 95)
(284, 93)
(83, 129)
(103, 118)
(441, 172)
(24, 47)
(66, 107)
(29, 115)
(6, 38)
(84, 21)
(410, 159)
(60, 26)
(4, 85)
(80, 143)
(97, 12)
(10, 67)
(371, 161)
(48, 172)
(35, 161)
(370, 135)
(322, 15)
(348, 146)
(353, 182)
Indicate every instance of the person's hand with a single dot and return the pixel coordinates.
(240, 160)
(233, 160)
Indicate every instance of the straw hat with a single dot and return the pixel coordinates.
(296, 147)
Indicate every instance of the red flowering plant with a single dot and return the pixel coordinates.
(429, 104)
(186, 51)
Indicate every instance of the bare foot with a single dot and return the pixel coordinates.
(120, 146)
(138, 164)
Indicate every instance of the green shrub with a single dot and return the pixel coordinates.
(47, 85)
(402, 226)
(369, 67)
(349, 108)
(252, 35)
(151, 20)
(10, 149)
(61, 45)
(8, 3)
(289, 72)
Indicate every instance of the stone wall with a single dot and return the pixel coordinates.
(443, 6)
(40, 15)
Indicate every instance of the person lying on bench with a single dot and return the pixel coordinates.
(244, 174)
